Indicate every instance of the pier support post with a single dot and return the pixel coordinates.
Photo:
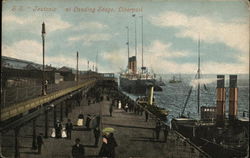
(17, 152)
(66, 108)
(1, 155)
(34, 147)
(46, 124)
(54, 111)
(69, 105)
(61, 111)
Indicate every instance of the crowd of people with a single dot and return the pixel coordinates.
(91, 122)
(129, 106)
(62, 131)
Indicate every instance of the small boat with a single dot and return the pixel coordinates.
(174, 80)
(159, 112)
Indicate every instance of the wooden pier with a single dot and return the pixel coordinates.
(135, 136)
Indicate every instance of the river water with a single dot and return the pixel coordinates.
(174, 95)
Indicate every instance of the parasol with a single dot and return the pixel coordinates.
(108, 130)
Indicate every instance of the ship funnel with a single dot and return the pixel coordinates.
(133, 64)
(233, 97)
(151, 95)
(221, 96)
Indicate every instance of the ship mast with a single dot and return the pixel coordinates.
(135, 36)
(198, 73)
(135, 60)
(96, 60)
(128, 44)
(142, 68)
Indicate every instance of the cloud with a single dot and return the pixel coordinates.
(33, 24)
(88, 39)
(32, 51)
(159, 57)
(225, 68)
(90, 25)
(25, 49)
(232, 33)
(116, 59)
(164, 50)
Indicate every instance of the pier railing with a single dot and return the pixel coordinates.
(24, 106)
(12, 96)
(179, 135)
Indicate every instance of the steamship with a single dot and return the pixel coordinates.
(133, 81)
(216, 134)
(137, 83)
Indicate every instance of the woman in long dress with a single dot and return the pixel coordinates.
(105, 150)
(64, 135)
(119, 105)
(53, 133)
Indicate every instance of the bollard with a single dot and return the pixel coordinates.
(151, 94)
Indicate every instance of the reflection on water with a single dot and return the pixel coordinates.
(174, 95)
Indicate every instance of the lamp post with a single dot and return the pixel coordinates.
(77, 73)
(43, 38)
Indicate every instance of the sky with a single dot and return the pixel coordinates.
(97, 30)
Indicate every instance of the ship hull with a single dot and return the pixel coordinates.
(138, 86)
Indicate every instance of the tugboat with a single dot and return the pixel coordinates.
(133, 81)
(174, 80)
(148, 102)
(216, 134)
(160, 82)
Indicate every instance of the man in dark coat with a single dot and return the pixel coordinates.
(110, 110)
(78, 150)
(69, 127)
(97, 135)
(58, 128)
(157, 129)
(88, 119)
(165, 133)
(146, 115)
(39, 142)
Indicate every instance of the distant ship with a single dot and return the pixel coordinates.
(133, 81)
(160, 82)
(174, 80)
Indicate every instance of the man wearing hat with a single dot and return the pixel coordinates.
(58, 127)
(78, 149)
(39, 140)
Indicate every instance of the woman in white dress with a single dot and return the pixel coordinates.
(119, 105)
(53, 133)
(64, 135)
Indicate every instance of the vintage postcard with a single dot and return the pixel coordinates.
(124, 79)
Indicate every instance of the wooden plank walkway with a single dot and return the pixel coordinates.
(134, 136)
